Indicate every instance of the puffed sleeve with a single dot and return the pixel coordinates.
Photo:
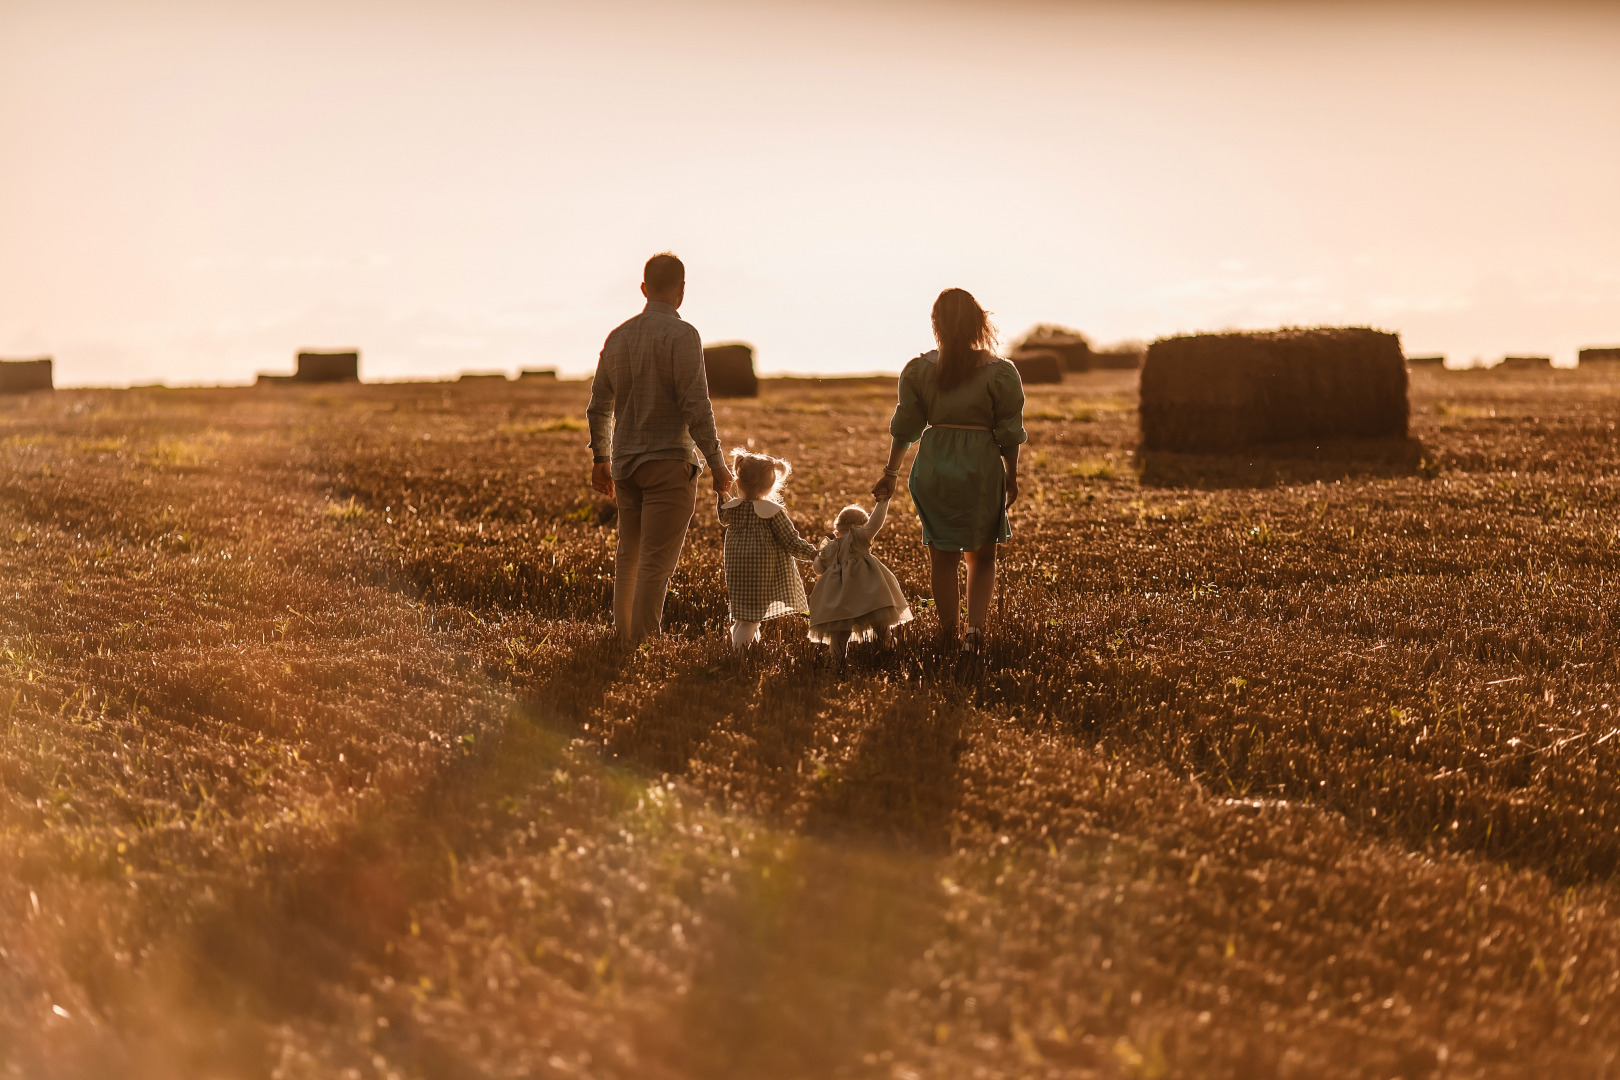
(823, 558)
(1007, 398)
(788, 538)
(911, 412)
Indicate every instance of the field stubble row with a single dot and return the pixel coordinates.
(1279, 765)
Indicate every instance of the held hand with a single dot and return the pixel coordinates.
(602, 477)
(1012, 488)
(723, 479)
(884, 488)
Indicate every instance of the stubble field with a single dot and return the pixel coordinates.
(318, 758)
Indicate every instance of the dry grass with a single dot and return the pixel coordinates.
(318, 760)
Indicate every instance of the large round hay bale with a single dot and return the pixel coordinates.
(539, 373)
(22, 376)
(1525, 363)
(328, 367)
(1218, 392)
(1600, 356)
(1071, 345)
(1038, 366)
(730, 370)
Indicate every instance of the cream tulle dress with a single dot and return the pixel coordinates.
(855, 593)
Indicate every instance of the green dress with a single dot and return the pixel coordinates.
(958, 481)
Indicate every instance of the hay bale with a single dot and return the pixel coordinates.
(1118, 358)
(328, 367)
(1526, 363)
(1426, 361)
(1599, 356)
(1216, 392)
(539, 373)
(23, 376)
(275, 380)
(1071, 345)
(482, 376)
(1038, 366)
(730, 370)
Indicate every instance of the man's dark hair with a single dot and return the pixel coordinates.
(664, 271)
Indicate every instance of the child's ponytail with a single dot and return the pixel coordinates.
(759, 476)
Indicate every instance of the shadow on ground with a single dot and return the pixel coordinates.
(1276, 464)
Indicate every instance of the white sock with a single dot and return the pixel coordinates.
(743, 634)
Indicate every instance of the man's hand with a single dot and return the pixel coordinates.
(602, 477)
(1012, 488)
(884, 488)
(723, 479)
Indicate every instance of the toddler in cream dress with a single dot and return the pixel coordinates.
(856, 596)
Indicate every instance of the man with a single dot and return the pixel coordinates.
(652, 427)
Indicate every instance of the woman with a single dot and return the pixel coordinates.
(967, 407)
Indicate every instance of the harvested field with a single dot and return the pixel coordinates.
(318, 760)
(1224, 392)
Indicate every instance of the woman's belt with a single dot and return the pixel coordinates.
(962, 427)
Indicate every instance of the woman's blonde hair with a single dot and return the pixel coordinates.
(850, 517)
(962, 328)
(760, 476)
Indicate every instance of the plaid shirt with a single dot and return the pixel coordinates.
(761, 544)
(650, 396)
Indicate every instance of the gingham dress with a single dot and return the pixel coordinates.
(761, 544)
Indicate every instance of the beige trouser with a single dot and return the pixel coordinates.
(655, 503)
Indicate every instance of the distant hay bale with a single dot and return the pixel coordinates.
(1218, 392)
(23, 376)
(730, 370)
(1426, 361)
(1600, 356)
(328, 367)
(539, 373)
(1526, 363)
(1118, 358)
(482, 376)
(1038, 367)
(1071, 345)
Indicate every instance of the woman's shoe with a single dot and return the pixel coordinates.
(972, 641)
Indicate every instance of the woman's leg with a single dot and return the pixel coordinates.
(981, 584)
(839, 646)
(947, 598)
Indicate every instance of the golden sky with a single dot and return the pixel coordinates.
(193, 191)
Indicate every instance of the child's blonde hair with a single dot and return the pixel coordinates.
(850, 517)
(760, 476)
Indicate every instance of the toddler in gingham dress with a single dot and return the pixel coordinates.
(761, 545)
